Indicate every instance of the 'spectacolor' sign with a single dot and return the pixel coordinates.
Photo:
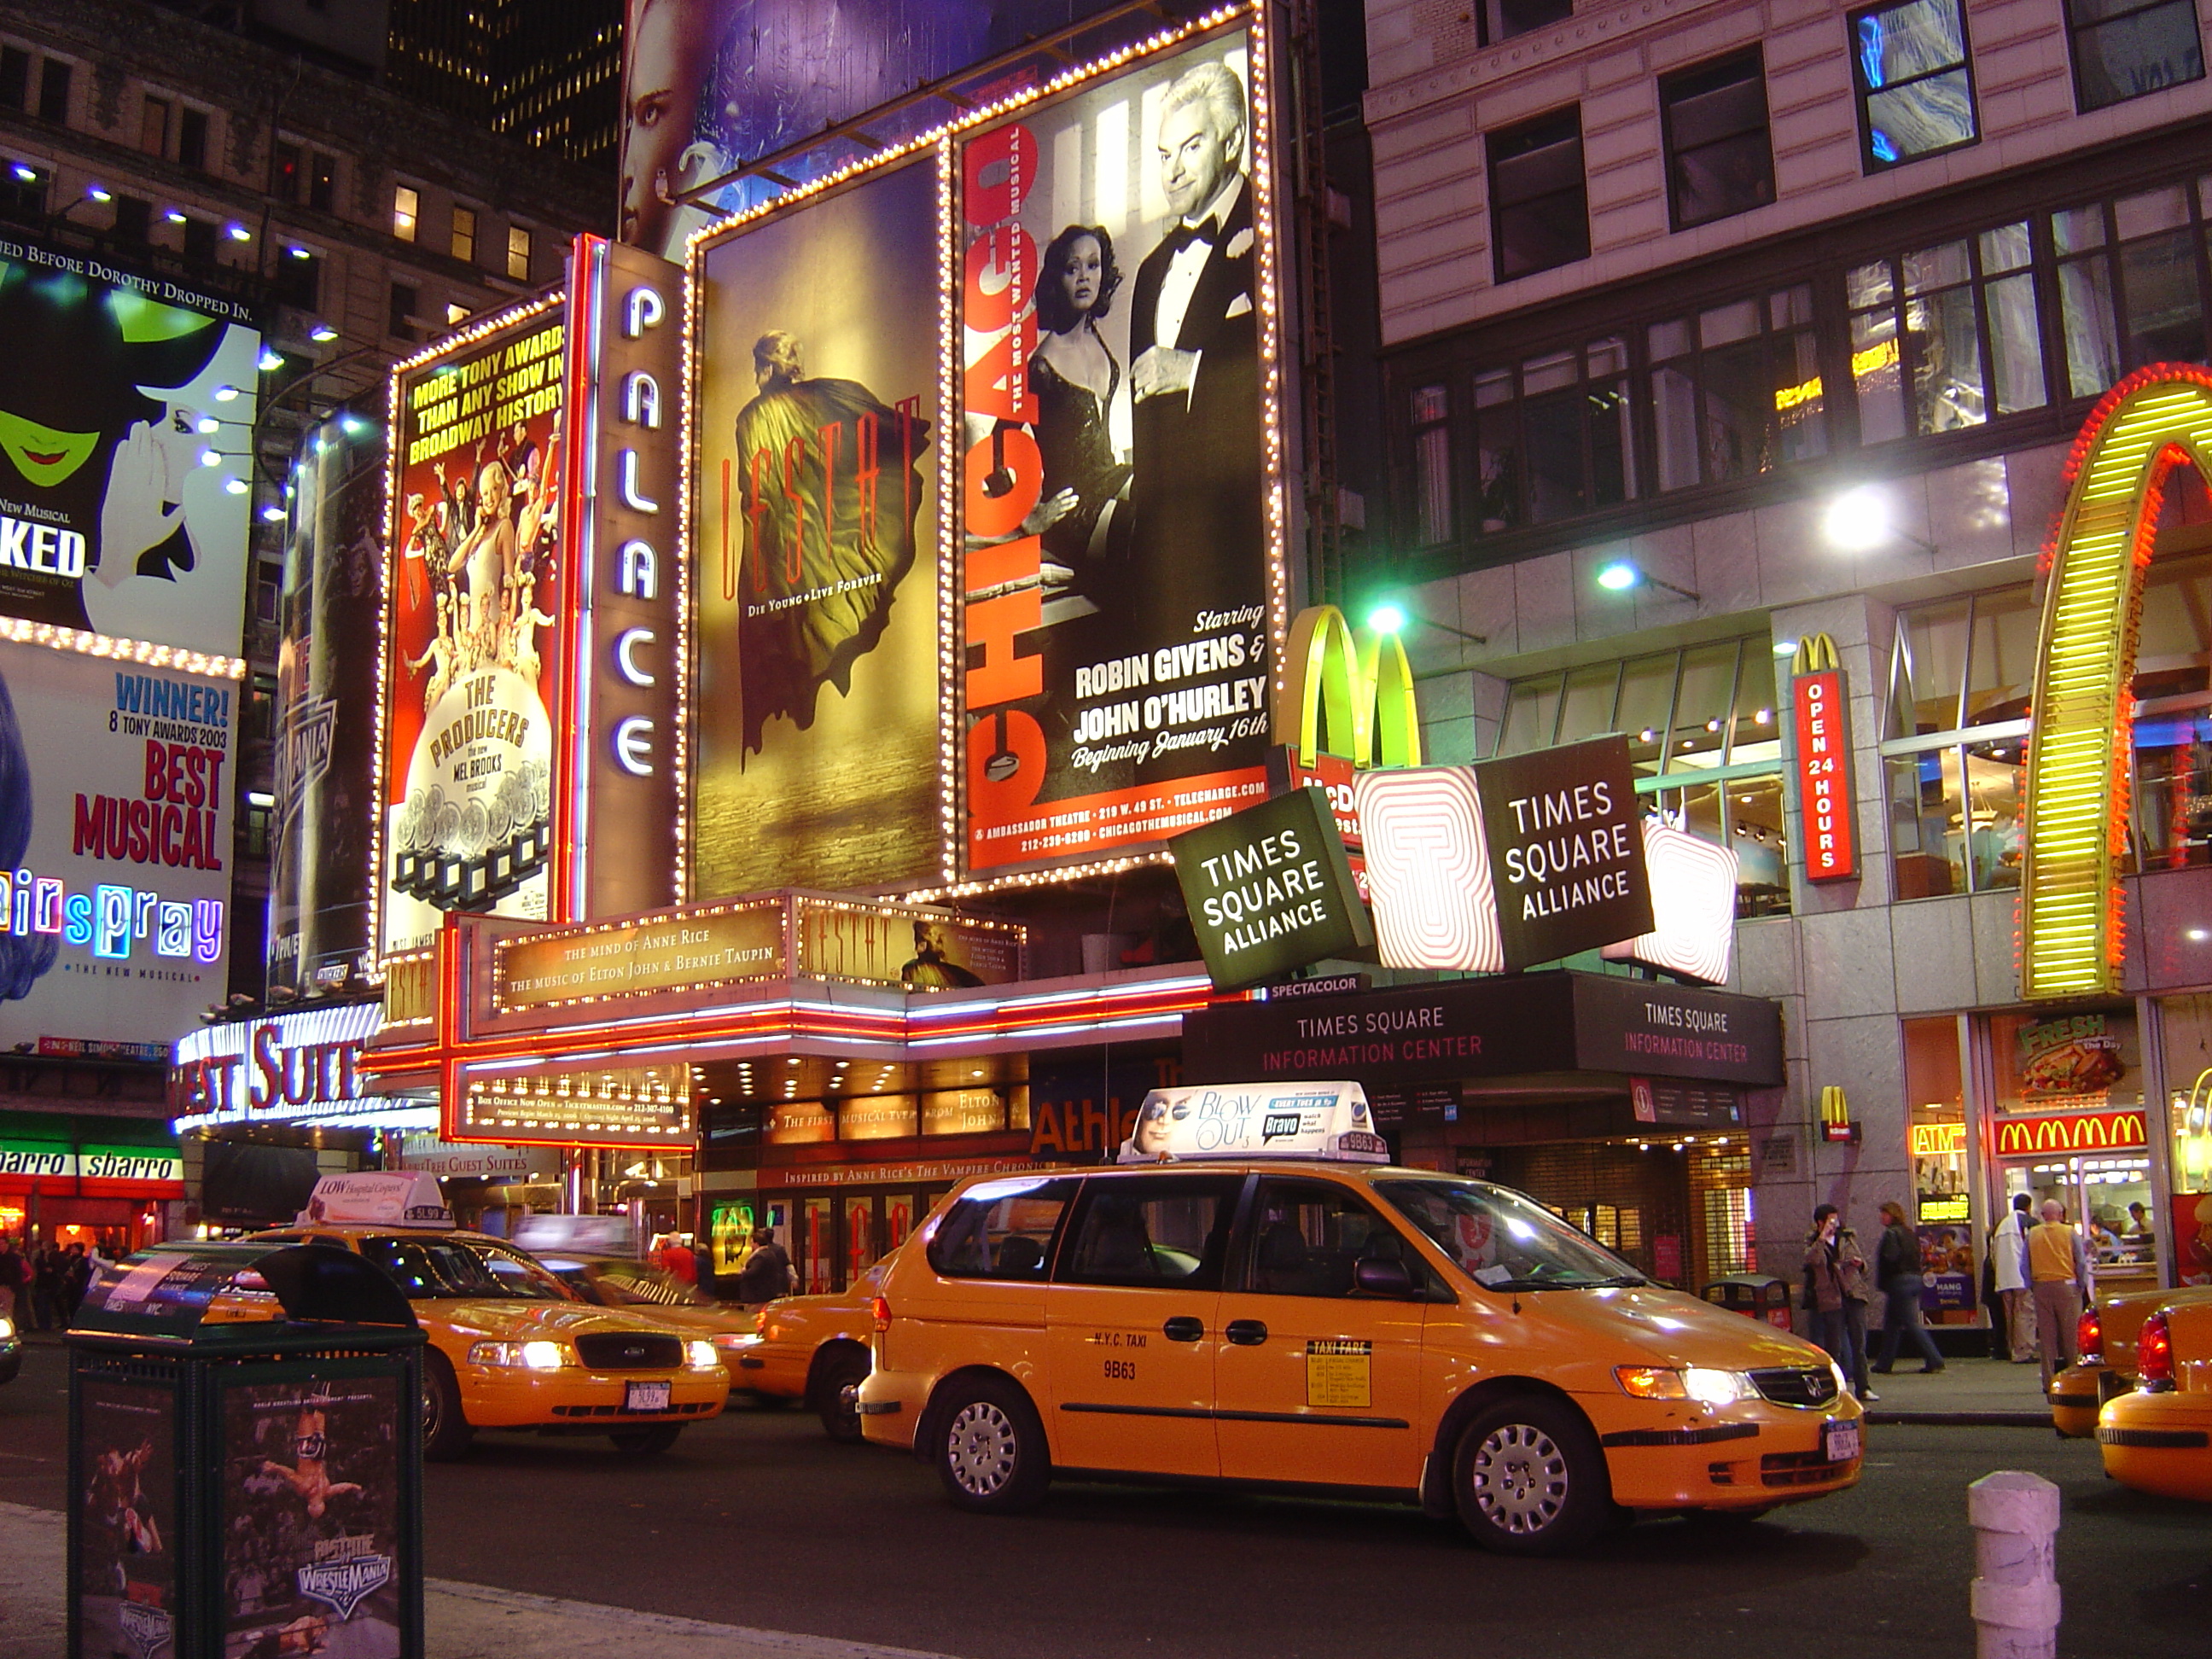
(1566, 849)
(1270, 889)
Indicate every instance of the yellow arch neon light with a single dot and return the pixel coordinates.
(1360, 686)
(2070, 916)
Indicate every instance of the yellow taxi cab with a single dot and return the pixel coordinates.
(1255, 1296)
(2158, 1438)
(510, 1346)
(812, 1348)
(2105, 1341)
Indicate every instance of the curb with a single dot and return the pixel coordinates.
(1988, 1420)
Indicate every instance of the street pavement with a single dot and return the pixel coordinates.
(758, 1520)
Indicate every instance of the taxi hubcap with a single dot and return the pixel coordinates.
(1520, 1478)
(983, 1446)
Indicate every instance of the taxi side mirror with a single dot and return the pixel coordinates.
(1378, 1278)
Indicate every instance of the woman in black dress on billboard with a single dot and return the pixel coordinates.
(1074, 375)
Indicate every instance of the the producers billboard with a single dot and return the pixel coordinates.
(815, 559)
(325, 759)
(115, 786)
(127, 423)
(711, 84)
(1119, 502)
(476, 630)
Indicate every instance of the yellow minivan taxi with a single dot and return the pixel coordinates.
(1253, 1296)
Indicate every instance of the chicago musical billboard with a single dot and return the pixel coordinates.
(126, 420)
(815, 429)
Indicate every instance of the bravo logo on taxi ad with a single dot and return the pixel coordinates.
(116, 784)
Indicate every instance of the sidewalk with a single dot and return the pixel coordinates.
(1975, 1392)
(465, 1621)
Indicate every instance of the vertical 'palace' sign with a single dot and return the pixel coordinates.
(1824, 773)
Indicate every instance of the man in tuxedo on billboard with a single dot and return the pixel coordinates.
(1195, 375)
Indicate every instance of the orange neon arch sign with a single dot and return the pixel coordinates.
(2071, 923)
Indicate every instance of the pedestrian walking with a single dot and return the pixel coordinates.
(1898, 1275)
(76, 1280)
(2008, 1252)
(1836, 1271)
(46, 1288)
(767, 1273)
(2059, 1266)
(15, 1275)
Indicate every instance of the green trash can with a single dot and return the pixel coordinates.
(245, 1458)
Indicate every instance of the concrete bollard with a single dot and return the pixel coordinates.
(2014, 1594)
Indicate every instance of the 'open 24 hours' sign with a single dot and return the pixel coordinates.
(1824, 776)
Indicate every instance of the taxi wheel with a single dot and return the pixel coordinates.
(1529, 1478)
(445, 1431)
(646, 1442)
(991, 1449)
(841, 1377)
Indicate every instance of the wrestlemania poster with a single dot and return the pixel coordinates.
(1115, 562)
(475, 643)
(126, 1581)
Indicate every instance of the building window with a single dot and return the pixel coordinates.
(54, 77)
(1719, 160)
(465, 234)
(134, 219)
(1735, 390)
(1915, 89)
(406, 305)
(199, 242)
(406, 211)
(322, 182)
(456, 314)
(23, 197)
(1432, 472)
(298, 282)
(1504, 19)
(1539, 213)
(15, 76)
(1946, 336)
(285, 168)
(1552, 437)
(1704, 734)
(518, 253)
(154, 126)
(2125, 48)
(192, 139)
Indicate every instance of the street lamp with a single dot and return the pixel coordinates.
(1619, 575)
(1391, 617)
(1859, 520)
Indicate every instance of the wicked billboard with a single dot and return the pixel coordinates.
(126, 414)
(477, 607)
(1118, 497)
(815, 566)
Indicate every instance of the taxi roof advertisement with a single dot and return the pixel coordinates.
(115, 845)
(126, 416)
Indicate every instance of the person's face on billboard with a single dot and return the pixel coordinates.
(1082, 269)
(1195, 160)
(668, 61)
(43, 455)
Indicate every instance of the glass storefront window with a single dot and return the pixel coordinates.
(1935, 1108)
(1995, 773)
(2188, 1231)
(1926, 828)
(1762, 846)
(2001, 664)
(1755, 733)
(1532, 710)
(1647, 705)
(1931, 663)
(1702, 707)
(2173, 794)
(1586, 705)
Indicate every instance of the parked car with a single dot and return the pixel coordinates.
(2105, 1340)
(2157, 1438)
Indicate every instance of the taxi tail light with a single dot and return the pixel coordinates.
(879, 1308)
(2089, 1339)
(2155, 1354)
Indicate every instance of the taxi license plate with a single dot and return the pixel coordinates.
(1839, 1441)
(655, 1397)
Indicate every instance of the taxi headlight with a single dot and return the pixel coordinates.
(7, 1329)
(1842, 1382)
(524, 1356)
(700, 1355)
(1706, 1387)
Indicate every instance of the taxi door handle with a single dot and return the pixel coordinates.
(1184, 1329)
(1245, 1332)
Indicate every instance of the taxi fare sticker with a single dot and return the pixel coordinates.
(1338, 1370)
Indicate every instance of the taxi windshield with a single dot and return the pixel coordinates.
(453, 1266)
(627, 1284)
(1503, 1241)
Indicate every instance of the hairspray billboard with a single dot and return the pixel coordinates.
(1120, 498)
(115, 786)
(325, 761)
(815, 544)
(126, 420)
(475, 648)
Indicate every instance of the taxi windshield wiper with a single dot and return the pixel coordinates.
(1618, 1281)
